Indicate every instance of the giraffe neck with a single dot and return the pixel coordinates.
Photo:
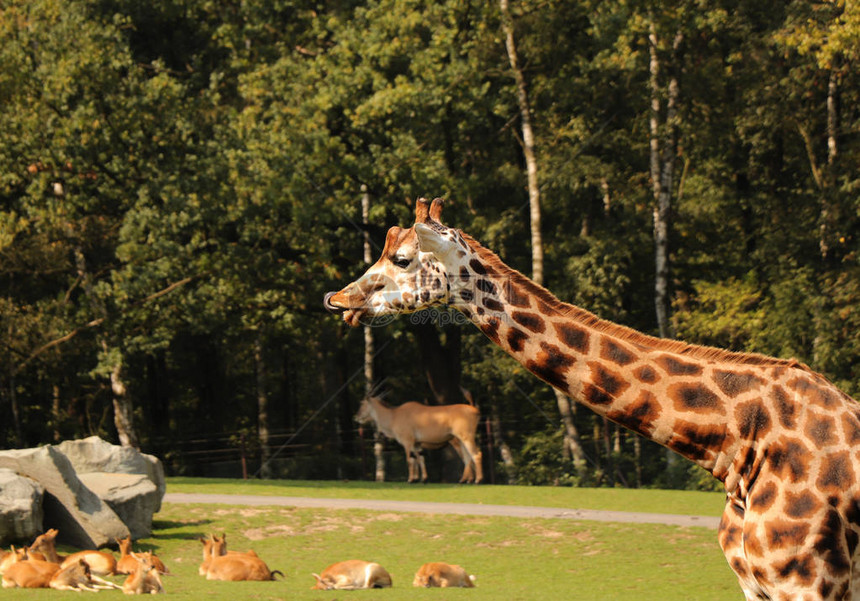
(655, 387)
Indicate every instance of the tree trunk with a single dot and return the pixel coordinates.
(502, 445)
(572, 442)
(663, 145)
(262, 409)
(123, 412)
(369, 377)
(441, 361)
(528, 143)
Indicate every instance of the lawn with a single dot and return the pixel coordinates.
(513, 559)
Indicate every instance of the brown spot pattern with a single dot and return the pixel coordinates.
(764, 498)
(820, 430)
(516, 339)
(789, 459)
(695, 397)
(529, 321)
(640, 415)
(646, 374)
(516, 297)
(614, 352)
(785, 533)
(551, 365)
(800, 505)
(695, 441)
(785, 408)
(676, 367)
(572, 336)
(836, 473)
(733, 384)
(753, 419)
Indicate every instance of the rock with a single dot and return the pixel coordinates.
(20, 508)
(96, 455)
(83, 520)
(133, 497)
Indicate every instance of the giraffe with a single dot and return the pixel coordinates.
(783, 440)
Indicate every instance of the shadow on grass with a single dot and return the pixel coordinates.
(161, 529)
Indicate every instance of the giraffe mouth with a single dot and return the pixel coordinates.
(352, 317)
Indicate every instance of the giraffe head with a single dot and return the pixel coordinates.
(411, 274)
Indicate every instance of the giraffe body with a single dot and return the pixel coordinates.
(782, 439)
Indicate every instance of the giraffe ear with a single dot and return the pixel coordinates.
(430, 240)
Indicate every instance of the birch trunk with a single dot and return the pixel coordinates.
(571, 436)
(663, 148)
(528, 144)
(378, 441)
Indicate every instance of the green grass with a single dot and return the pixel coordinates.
(513, 559)
(615, 499)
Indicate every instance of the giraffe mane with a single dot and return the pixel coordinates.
(621, 332)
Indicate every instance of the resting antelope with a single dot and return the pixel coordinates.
(351, 575)
(145, 579)
(235, 566)
(77, 576)
(7, 558)
(29, 573)
(416, 426)
(128, 563)
(443, 575)
(101, 563)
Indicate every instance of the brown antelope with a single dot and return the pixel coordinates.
(7, 558)
(77, 576)
(127, 563)
(416, 426)
(146, 578)
(234, 566)
(29, 573)
(210, 543)
(443, 575)
(101, 563)
(351, 575)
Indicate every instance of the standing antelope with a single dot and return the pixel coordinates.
(416, 426)
(351, 575)
(443, 575)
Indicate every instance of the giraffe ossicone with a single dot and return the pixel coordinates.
(783, 440)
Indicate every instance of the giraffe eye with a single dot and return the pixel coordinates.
(401, 262)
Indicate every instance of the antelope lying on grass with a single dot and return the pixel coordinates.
(145, 579)
(23, 572)
(351, 575)
(234, 566)
(128, 563)
(100, 563)
(7, 558)
(442, 575)
(416, 427)
(76, 576)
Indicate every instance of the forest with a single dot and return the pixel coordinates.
(181, 182)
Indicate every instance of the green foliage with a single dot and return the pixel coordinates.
(180, 183)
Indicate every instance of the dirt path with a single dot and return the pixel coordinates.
(454, 508)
